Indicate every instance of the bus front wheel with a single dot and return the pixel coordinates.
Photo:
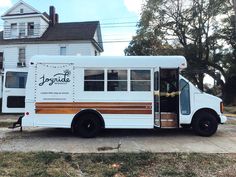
(87, 125)
(205, 124)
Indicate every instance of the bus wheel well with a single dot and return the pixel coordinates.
(206, 110)
(87, 111)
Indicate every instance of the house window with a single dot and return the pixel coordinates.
(117, 80)
(94, 80)
(31, 29)
(62, 50)
(13, 29)
(140, 80)
(21, 55)
(21, 29)
(21, 11)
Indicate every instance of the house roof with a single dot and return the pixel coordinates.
(63, 32)
(71, 31)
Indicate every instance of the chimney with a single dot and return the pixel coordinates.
(52, 16)
(56, 18)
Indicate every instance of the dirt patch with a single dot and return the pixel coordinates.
(6, 120)
(9, 117)
(5, 124)
(231, 121)
(117, 165)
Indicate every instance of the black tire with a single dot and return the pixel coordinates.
(87, 125)
(205, 124)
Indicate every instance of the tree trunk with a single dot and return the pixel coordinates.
(200, 81)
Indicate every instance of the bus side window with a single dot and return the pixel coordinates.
(140, 80)
(184, 97)
(94, 80)
(16, 79)
(117, 80)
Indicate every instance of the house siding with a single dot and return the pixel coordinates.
(40, 27)
(21, 6)
(10, 55)
(43, 26)
(11, 52)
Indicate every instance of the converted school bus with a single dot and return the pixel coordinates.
(88, 94)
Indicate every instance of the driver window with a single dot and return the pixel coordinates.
(184, 97)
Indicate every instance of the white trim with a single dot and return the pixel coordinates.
(19, 3)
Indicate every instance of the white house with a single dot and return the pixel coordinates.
(28, 32)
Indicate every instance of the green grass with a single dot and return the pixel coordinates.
(120, 164)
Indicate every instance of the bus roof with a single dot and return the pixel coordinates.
(115, 61)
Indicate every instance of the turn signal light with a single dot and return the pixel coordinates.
(221, 107)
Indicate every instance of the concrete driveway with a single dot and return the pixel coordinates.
(179, 140)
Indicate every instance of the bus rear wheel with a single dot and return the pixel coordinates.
(87, 125)
(205, 124)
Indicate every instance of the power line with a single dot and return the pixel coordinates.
(101, 24)
(116, 41)
(119, 23)
(118, 18)
(104, 25)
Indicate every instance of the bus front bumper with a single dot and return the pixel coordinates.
(223, 118)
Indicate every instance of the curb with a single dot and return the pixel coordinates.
(230, 115)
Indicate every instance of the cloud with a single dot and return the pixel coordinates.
(134, 6)
(114, 49)
(119, 41)
(5, 3)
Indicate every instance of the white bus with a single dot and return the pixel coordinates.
(88, 94)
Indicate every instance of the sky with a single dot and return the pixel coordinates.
(118, 18)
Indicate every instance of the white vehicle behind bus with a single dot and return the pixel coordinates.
(13, 90)
(88, 94)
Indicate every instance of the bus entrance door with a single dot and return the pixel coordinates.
(169, 97)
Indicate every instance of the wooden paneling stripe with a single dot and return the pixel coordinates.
(103, 108)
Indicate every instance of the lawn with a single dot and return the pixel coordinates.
(117, 165)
